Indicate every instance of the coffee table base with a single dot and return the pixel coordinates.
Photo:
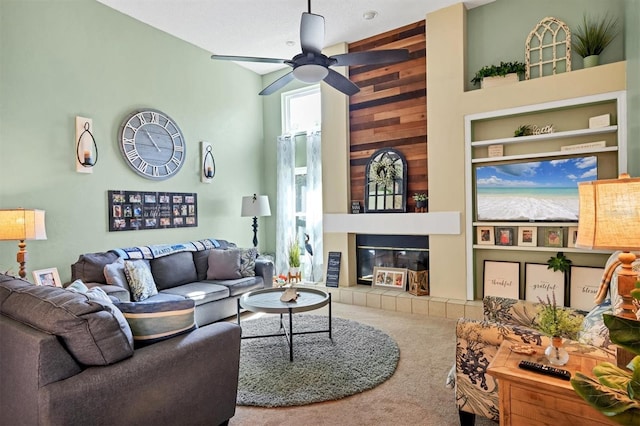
(288, 334)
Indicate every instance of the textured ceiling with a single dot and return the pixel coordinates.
(262, 28)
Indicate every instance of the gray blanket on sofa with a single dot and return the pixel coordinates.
(159, 250)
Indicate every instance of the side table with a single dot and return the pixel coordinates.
(529, 398)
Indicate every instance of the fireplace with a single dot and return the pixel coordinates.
(392, 251)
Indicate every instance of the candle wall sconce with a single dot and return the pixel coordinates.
(86, 147)
(207, 163)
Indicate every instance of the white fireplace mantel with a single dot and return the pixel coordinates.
(443, 223)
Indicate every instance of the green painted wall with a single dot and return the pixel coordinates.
(78, 57)
(498, 31)
(632, 52)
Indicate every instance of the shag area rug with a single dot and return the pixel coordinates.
(359, 357)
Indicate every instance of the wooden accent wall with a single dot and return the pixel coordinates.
(390, 111)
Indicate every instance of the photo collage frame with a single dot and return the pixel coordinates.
(137, 210)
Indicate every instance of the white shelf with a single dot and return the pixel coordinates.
(432, 223)
(537, 248)
(546, 136)
(544, 155)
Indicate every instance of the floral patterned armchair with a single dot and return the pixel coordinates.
(478, 341)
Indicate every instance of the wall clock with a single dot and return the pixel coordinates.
(152, 144)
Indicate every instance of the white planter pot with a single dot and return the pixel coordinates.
(499, 80)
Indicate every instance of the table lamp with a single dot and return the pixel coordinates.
(256, 206)
(22, 224)
(610, 219)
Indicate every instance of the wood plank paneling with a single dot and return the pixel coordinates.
(390, 111)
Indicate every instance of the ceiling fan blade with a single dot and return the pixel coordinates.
(340, 82)
(372, 57)
(311, 32)
(248, 59)
(278, 84)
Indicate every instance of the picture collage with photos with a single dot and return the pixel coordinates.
(137, 210)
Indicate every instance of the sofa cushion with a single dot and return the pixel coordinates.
(114, 274)
(90, 266)
(154, 322)
(248, 262)
(199, 292)
(224, 265)
(95, 333)
(241, 285)
(140, 279)
(173, 270)
(594, 332)
(201, 260)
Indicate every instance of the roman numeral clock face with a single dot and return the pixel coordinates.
(152, 144)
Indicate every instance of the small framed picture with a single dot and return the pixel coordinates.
(485, 235)
(553, 237)
(505, 236)
(389, 278)
(572, 236)
(47, 277)
(501, 279)
(540, 281)
(584, 286)
(527, 236)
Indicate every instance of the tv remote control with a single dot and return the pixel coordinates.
(545, 369)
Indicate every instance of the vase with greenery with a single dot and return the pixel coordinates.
(294, 256)
(499, 70)
(557, 322)
(593, 36)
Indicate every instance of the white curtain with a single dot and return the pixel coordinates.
(285, 198)
(314, 207)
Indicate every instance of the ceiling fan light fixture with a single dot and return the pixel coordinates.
(310, 73)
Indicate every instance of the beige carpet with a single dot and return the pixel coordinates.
(414, 395)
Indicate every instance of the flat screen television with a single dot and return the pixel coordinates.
(533, 190)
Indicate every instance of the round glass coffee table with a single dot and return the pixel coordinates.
(268, 301)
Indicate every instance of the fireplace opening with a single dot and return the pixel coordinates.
(391, 251)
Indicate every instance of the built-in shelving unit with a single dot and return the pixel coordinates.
(572, 137)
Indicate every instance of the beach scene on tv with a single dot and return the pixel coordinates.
(533, 191)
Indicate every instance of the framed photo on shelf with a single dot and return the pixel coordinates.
(47, 277)
(389, 278)
(485, 235)
(505, 236)
(501, 279)
(528, 236)
(553, 237)
(540, 282)
(583, 286)
(572, 236)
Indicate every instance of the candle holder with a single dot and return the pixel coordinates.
(208, 163)
(89, 156)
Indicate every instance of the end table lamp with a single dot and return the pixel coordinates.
(256, 206)
(610, 219)
(21, 225)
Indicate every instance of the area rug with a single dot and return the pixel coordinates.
(359, 357)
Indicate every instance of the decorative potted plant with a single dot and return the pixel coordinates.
(421, 200)
(590, 39)
(523, 130)
(557, 323)
(499, 71)
(294, 258)
(560, 263)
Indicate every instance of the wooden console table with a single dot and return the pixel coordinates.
(528, 398)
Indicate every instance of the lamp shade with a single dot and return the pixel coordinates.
(22, 224)
(255, 206)
(609, 214)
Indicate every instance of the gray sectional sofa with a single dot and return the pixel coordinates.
(180, 271)
(69, 359)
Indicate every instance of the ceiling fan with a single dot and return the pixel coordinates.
(311, 66)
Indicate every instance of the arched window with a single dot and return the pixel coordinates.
(548, 49)
(386, 182)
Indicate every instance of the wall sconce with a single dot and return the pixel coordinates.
(86, 147)
(208, 164)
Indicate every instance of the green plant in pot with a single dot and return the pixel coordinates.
(557, 322)
(294, 254)
(499, 70)
(593, 36)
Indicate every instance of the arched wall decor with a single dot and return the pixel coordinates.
(386, 182)
(548, 49)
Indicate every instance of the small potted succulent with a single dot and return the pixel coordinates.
(421, 200)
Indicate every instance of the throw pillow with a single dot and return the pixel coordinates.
(140, 280)
(594, 332)
(95, 294)
(248, 262)
(157, 321)
(114, 274)
(224, 265)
